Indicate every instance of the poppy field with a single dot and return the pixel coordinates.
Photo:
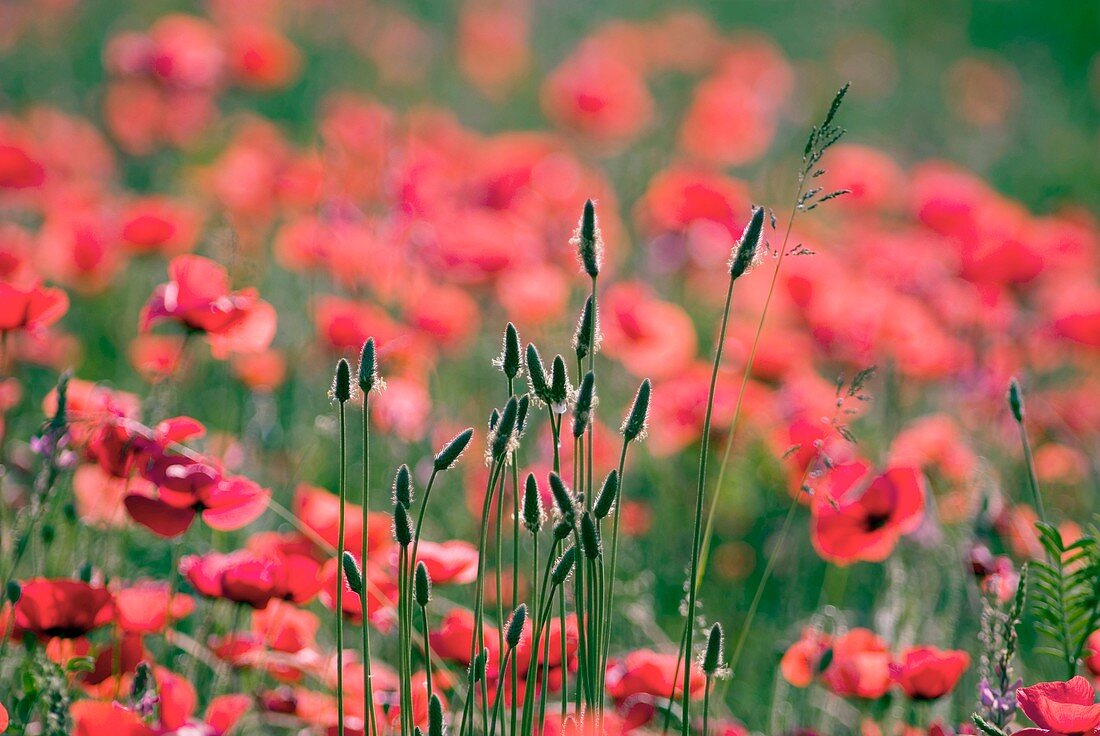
(509, 368)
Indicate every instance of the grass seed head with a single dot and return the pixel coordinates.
(368, 378)
(422, 585)
(435, 716)
(587, 336)
(341, 382)
(514, 632)
(588, 241)
(1016, 400)
(402, 487)
(605, 499)
(748, 245)
(452, 451)
(586, 401)
(352, 573)
(509, 360)
(563, 499)
(536, 375)
(532, 505)
(563, 566)
(636, 422)
(560, 390)
(590, 537)
(402, 530)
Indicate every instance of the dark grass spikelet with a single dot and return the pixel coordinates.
(1016, 400)
(402, 531)
(562, 530)
(521, 414)
(586, 400)
(480, 663)
(559, 385)
(563, 499)
(341, 382)
(435, 716)
(605, 499)
(503, 434)
(368, 378)
(536, 375)
(402, 487)
(563, 566)
(586, 336)
(748, 245)
(712, 657)
(352, 573)
(446, 458)
(588, 242)
(637, 421)
(13, 592)
(591, 544)
(509, 360)
(514, 632)
(532, 505)
(422, 585)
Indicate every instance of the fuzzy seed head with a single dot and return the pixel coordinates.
(532, 505)
(712, 657)
(637, 421)
(521, 414)
(536, 375)
(563, 499)
(341, 382)
(480, 664)
(509, 360)
(562, 530)
(748, 245)
(563, 566)
(422, 585)
(446, 458)
(591, 544)
(514, 632)
(402, 487)
(605, 500)
(588, 242)
(587, 336)
(502, 436)
(560, 390)
(435, 716)
(368, 378)
(402, 530)
(1016, 400)
(352, 573)
(585, 402)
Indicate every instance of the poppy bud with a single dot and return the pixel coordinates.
(712, 658)
(582, 410)
(341, 383)
(634, 426)
(586, 335)
(402, 487)
(588, 241)
(368, 368)
(352, 572)
(1016, 400)
(590, 537)
(435, 716)
(532, 505)
(509, 357)
(422, 585)
(448, 456)
(563, 566)
(514, 632)
(746, 247)
(502, 433)
(562, 498)
(607, 495)
(13, 592)
(536, 374)
(402, 532)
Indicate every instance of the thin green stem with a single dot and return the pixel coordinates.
(340, 577)
(368, 679)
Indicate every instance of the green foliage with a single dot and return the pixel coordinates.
(1066, 593)
(986, 727)
(44, 697)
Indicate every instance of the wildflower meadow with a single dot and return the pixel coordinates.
(514, 368)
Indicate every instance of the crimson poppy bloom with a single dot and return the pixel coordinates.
(146, 607)
(645, 672)
(106, 718)
(1060, 708)
(63, 608)
(241, 577)
(860, 666)
(30, 306)
(449, 563)
(860, 516)
(452, 639)
(927, 673)
(197, 296)
(802, 660)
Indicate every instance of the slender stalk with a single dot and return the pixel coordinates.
(368, 679)
(340, 578)
(697, 527)
(1032, 478)
(706, 706)
(613, 565)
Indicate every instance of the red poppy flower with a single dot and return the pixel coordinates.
(927, 673)
(650, 337)
(645, 672)
(241, 577)
(1060, 708)
(106, 718)
(63, 608)
(261, 57)
(449, 563)
(860, 666)
(31, 306)
(187, 488)
(159, 225)
(802, 660)
(1092, 653)
(18, 170)
(144, 607)
(319, 510)
(452, 640)
(860, 516)
(197, 296)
